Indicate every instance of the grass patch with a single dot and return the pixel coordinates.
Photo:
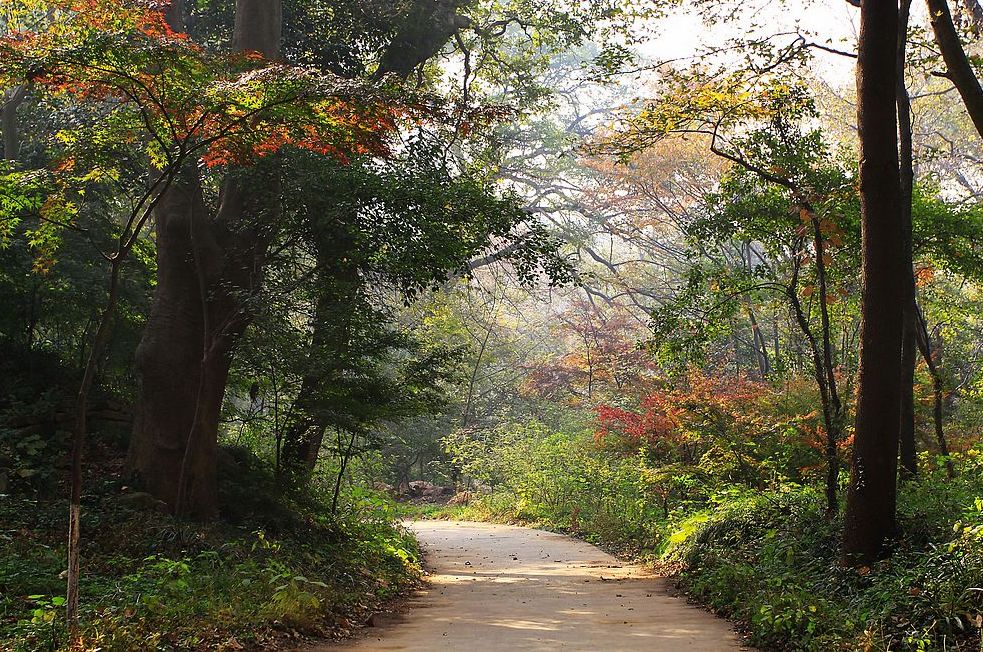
(283, 570)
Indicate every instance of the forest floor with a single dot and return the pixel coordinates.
(501, 587)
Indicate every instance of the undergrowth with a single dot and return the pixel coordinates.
(770, 559)
(279, 567)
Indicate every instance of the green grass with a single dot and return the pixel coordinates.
(285, 568)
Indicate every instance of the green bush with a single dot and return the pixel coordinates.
(772, 561)
(151, 582)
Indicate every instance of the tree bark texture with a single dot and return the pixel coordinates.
(869, 518)
(209, 268)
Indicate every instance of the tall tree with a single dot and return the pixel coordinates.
(9, 125)
(869, 519)
(210, 264)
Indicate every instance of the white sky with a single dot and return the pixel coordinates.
(829, 22)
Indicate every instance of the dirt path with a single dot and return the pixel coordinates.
(496, 587)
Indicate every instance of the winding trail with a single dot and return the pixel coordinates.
(497, 587)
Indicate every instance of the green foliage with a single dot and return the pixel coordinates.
(768, 558)
(155, 583)
(561, 480)
(772, 560)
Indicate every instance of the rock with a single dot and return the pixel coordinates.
(420, 487)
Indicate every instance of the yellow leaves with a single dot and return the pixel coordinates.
(56, 213)
(97, 174)
(57, 209)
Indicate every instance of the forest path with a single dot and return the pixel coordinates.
(498, 587)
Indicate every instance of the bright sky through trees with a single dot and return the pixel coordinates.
(683, 34)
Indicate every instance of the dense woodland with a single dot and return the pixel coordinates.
(271, 269)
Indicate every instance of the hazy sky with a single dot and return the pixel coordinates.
(831, 22)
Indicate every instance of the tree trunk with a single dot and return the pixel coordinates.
(9, 125)
(925, 346)
(958, 68)
(869, 519)
(834, 427)
(906, 435)
(777, 354)
(209, 268)
(831, 420)
(171, 362)
(909, 351)
(303, 433)
(339, 286)
(78, 444)
(760, 345)
(974, 13)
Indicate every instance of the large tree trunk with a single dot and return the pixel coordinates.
(209, 267)
(869, 519)
(909, 350)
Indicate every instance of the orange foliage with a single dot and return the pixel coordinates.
(674, 414)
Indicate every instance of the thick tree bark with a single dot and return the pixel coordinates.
(209, 268)
(427, 28)
(258, 27)
(9, 124)
(170, 359)
(869, 519)
(909, 351)
(958, 68)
